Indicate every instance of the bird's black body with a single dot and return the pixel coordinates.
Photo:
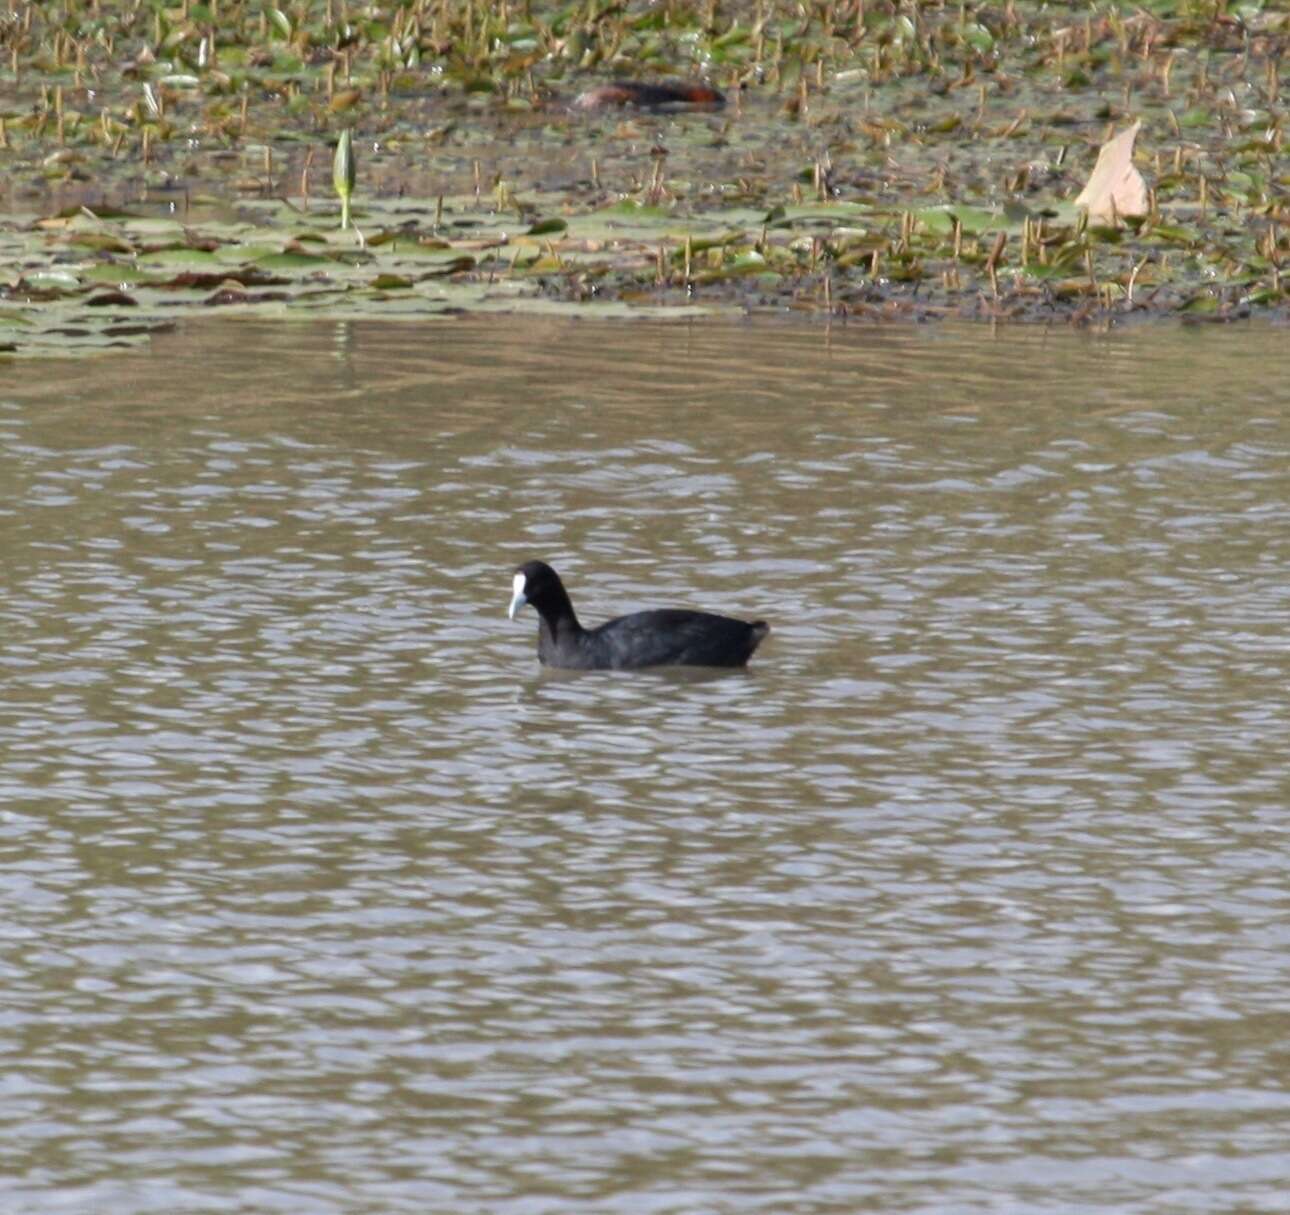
(665, 637)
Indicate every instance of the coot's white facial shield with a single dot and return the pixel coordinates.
(517, 597)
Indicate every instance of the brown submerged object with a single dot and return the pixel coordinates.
(649, 96)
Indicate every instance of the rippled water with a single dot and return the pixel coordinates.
(969, 895)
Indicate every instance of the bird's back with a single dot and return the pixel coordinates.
(672, 637)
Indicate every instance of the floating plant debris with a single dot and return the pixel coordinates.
(1116, 189)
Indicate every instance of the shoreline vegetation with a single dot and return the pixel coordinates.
(858, 160)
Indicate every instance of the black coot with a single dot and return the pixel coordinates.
(645, 639)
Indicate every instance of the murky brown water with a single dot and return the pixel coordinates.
(969, 896)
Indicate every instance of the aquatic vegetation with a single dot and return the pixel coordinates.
(871, 159)
(344, 173)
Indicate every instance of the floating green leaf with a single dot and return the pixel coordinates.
(282, 23)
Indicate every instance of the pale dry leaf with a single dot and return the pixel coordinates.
(1116, 188)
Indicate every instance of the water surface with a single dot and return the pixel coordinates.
(969, 895)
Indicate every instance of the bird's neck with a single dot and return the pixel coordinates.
(559, 621)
